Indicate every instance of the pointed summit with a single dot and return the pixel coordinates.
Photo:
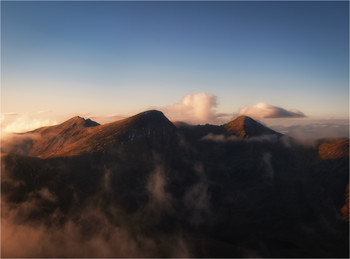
(152, 118)
(244, 126)
(58, 137)
(146, 123)
(79, 121)
(73, 124)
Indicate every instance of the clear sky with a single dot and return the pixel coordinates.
(124, 57)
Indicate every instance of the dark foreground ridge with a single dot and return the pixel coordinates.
(143, 187)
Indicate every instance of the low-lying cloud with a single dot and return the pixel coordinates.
(95, 228)
(264, 110)
(22, 122)
(220, 137)
(71, 239)
(159, 198)
(315, 130)
(18, 143)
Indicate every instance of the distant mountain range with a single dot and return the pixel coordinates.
(176, 190)
(77, 135)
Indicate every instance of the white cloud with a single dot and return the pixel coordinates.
(195, 108)
(22, 122)
(264, 110)
(160, 199)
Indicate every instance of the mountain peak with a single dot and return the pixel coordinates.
(69, 127)
(77, 120)
(243, 120)
(150, 114)
(152, 118)
(244, 126)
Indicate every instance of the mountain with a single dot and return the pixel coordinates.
(144, 127)
(77, 135)
(145, 187)
(47, 141)
(241, 127)
(70, 127)
(245, 127)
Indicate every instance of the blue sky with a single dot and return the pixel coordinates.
(124, 57)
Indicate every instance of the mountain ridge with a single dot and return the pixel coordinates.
(78, 135)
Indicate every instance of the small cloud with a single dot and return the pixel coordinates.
(47, 195)
(195, 108)
(264, 110)
(159, 198)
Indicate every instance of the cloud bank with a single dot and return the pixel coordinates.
(264, 110)
(315, 130)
